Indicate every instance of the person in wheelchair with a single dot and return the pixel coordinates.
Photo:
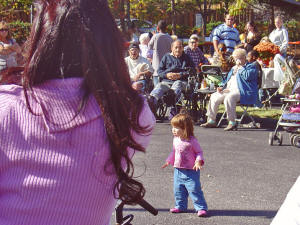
(173, 74)
(239, 86)
(139, 68)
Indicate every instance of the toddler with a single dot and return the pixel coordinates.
(187, 159)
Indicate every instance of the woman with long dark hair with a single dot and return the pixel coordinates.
(252, 36)
(68, 133)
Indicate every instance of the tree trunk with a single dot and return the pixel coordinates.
(173, 17)
(272, 25)
(204, 17)
(128, 10)
(122, 15)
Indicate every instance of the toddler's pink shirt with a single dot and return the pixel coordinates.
(185, 153)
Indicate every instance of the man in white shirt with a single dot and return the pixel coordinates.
(139, 67)
(279, 37)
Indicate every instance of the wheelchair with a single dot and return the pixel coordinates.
(185, 100)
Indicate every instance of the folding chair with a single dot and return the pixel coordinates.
(239, 120)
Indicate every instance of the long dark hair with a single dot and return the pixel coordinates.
(79, 38)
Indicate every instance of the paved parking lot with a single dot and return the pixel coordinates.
(244, 179)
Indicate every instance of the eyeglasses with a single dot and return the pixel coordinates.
(193, 42)
(4, 29)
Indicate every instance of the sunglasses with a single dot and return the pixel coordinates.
(4, 29)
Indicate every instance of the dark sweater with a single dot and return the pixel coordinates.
(170, 63)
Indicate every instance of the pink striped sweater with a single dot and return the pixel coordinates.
(52, 167)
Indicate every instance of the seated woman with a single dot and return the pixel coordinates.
(9, 48)
(240, 86)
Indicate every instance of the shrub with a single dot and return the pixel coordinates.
(182, 31)
(20, 30)
(211, 25)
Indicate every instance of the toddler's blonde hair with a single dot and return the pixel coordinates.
(185, 122)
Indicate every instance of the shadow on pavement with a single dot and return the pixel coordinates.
(220, 212)
(247, 213)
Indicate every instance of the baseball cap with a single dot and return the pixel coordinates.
(134, 45)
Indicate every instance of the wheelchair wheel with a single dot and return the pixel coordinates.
(271, 135)
(292, 136)
(296, 141)
(161, 110)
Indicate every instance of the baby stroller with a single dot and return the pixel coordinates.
(291, 73)
(290, 118)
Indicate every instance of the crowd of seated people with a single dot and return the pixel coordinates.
(243, 77)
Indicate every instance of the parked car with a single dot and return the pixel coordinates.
(143, 26)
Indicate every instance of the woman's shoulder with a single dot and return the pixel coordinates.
(10, 95)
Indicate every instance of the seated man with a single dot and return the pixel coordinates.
(194, 52)
(172, 70)
(240, 85)
(138, 67)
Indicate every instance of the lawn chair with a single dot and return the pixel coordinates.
(239, 120)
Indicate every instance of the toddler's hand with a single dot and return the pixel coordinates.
(198, 165)
(165, 165)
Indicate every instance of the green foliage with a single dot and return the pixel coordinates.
(211, 25)
(182, 31)
(16, 4)
(20, 30)
(293, 27)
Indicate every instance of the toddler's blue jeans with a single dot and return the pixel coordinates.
(187, 183)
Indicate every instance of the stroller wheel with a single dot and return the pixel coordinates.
(296, 141)
(271, 136)
(279, 138)
(292, 136)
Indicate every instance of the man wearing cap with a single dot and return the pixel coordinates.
(194, 52)
(138, 67)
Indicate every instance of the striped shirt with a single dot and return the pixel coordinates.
(227, 35)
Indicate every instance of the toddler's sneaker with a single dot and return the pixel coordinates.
(175, 210)
(202, 213)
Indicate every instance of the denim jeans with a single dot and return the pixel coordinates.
(155, 80)
(161, 88)
(187, 183)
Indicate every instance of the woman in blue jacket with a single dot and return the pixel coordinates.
(240, 86)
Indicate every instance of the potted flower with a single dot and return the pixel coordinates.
(267, 50)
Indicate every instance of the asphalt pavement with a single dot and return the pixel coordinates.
(244, 180)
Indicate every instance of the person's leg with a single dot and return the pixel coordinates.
(155, 80)
(178, 86)
(180, 192)
(193, 186)
(278, 72)
(159, 90)
(230, 104)
(213, 105)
